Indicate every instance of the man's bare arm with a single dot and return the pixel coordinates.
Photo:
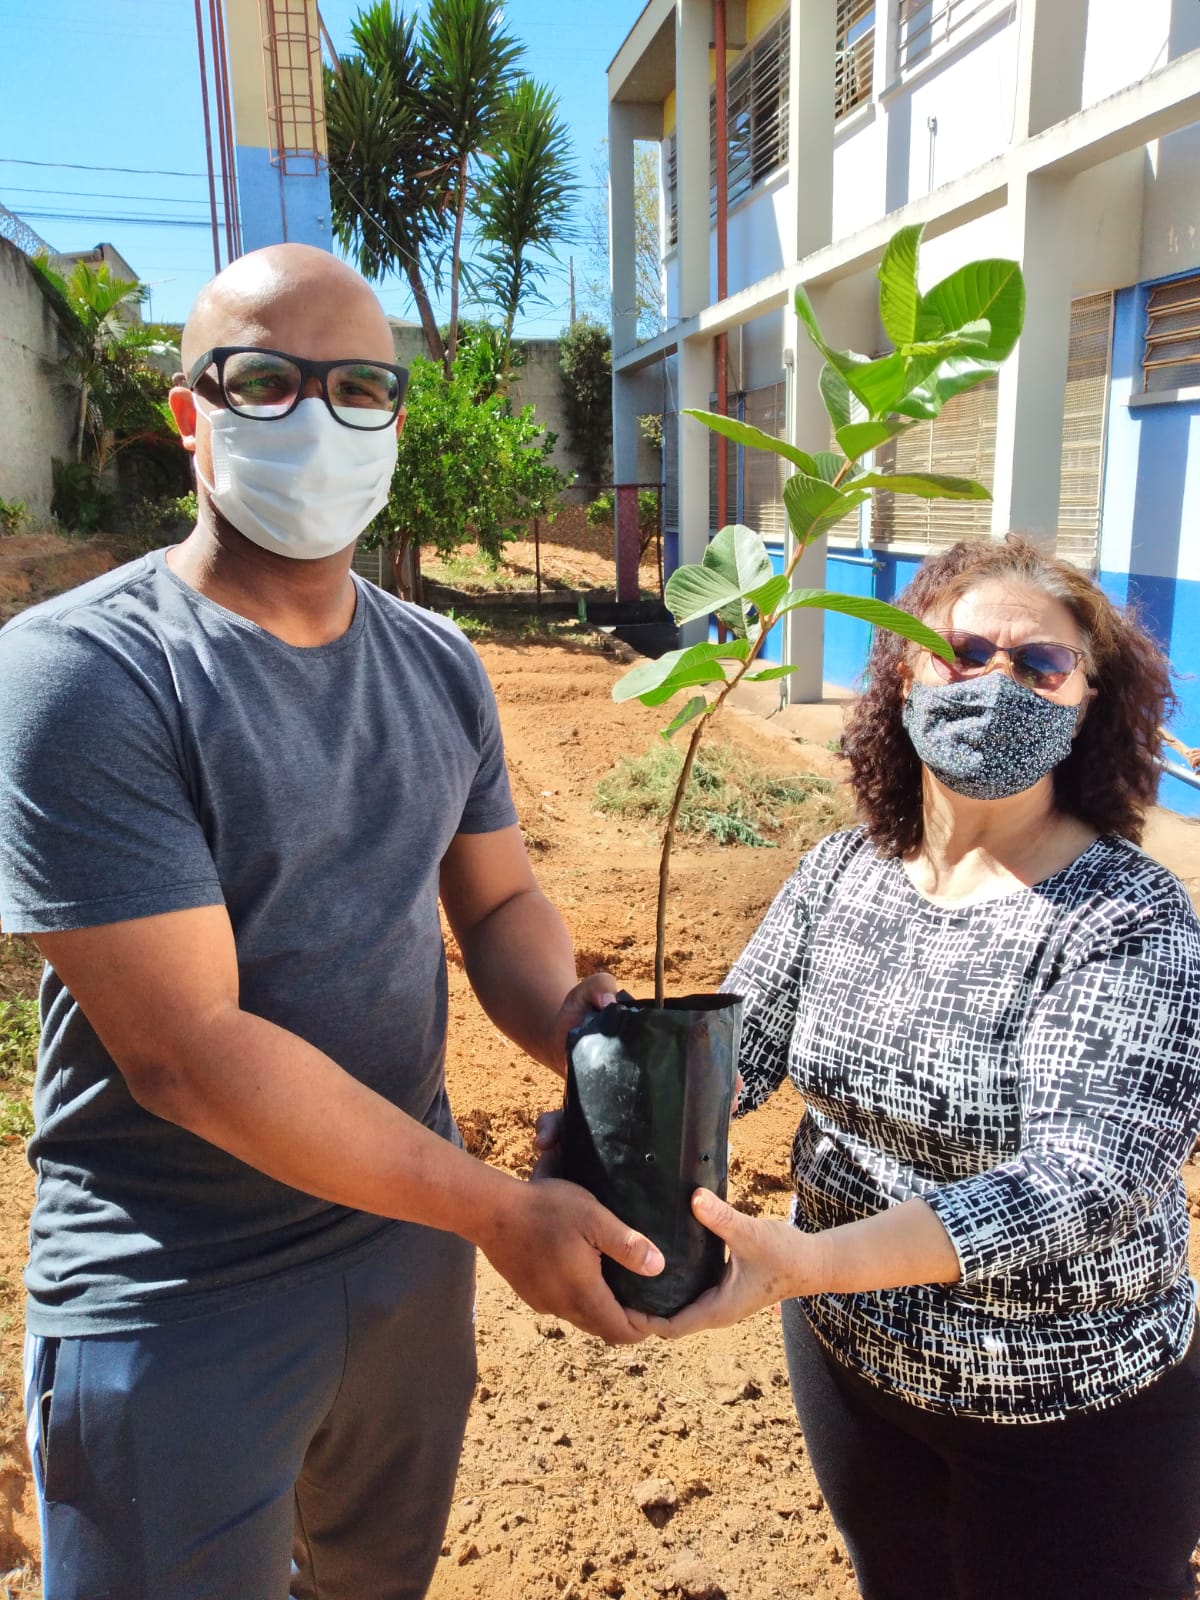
(515, 947)
(162, 994)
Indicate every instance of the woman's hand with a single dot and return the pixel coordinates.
(769, 1261)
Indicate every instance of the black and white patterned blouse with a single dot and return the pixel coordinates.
(1030, 1067)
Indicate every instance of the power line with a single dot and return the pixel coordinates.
(78, 166)
(141, 221)
(99, 194)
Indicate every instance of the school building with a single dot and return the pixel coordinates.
(1062, 133)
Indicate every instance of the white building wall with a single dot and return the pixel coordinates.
(1125, 42)
(1171, 218)
(38, 412)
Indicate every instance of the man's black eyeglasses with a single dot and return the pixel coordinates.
(268, 384)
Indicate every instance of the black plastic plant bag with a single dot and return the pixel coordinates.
(646, 1122)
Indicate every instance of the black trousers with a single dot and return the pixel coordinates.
(1104, 1505)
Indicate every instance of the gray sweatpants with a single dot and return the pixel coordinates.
(317, 1431)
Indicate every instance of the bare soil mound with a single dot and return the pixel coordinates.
(637, 1472)
(34, 566)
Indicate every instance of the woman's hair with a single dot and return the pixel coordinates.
(1111, 774)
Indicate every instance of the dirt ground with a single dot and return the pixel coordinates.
(635, 1472)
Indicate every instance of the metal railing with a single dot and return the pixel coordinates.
(924, 25)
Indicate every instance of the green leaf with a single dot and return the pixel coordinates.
(739, 554)
(881, 384)
(808, 317)
(951, 378)
(745, 433)
(827, 464)
(992, 291)
(899, 298)
(843, 408)
(856, 438)
(697, 706)
(928, 485)
(652, 682)
(876, 612)
(735, 563)
(814, 505)
(765, 600)
(768, 672)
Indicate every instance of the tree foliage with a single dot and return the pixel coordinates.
(433, 126)
(523, 200)
(647, 241)
(121, 393)
(471, 469)
(944, 341)
(116, 385)
(585, 379)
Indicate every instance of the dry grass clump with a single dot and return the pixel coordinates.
(728, 798)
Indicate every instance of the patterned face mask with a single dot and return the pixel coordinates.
(987, 737)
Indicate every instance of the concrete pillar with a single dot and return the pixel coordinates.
(808, 429)
(693, 29)
(695, 385)
(810, 122)
(1051, 38)
(626, 123)
(1032, 387)
(625, 477)
(810, 166)
(887, 22)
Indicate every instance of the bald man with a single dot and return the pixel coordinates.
(234, 783)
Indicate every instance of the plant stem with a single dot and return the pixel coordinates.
(664, 861)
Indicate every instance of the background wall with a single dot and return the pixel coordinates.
(36, 416)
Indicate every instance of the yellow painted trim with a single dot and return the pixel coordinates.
(248, 74)
(759, 13)
(669, 115)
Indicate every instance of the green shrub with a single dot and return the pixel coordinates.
(80, 503)
(13, 516)
(19, 1032)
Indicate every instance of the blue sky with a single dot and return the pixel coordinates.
(86, 87)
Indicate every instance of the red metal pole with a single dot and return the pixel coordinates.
(222, 141)
(208, 150)
(722, 341)
(230, 160)
(721, 96)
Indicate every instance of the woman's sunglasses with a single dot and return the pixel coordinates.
(1035, 666)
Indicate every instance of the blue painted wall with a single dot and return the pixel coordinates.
(1150, 529)
(847, 640)
(276, 207)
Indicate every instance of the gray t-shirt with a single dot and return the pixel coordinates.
(158, 753)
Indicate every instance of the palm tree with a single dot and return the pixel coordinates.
(471, 62)
(385, 151)
(523, 200)
(122, 394)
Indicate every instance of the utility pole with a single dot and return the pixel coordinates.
(571, 270)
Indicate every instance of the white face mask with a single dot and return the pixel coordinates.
(304, 486)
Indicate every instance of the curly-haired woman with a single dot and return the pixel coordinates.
(989, 998)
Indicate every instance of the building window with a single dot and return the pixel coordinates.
(757, 116)
(961, 441)
(671, 190)
(756, 122)
(754, 479)
(854, 61)
(924, 26)
(1171, 359)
